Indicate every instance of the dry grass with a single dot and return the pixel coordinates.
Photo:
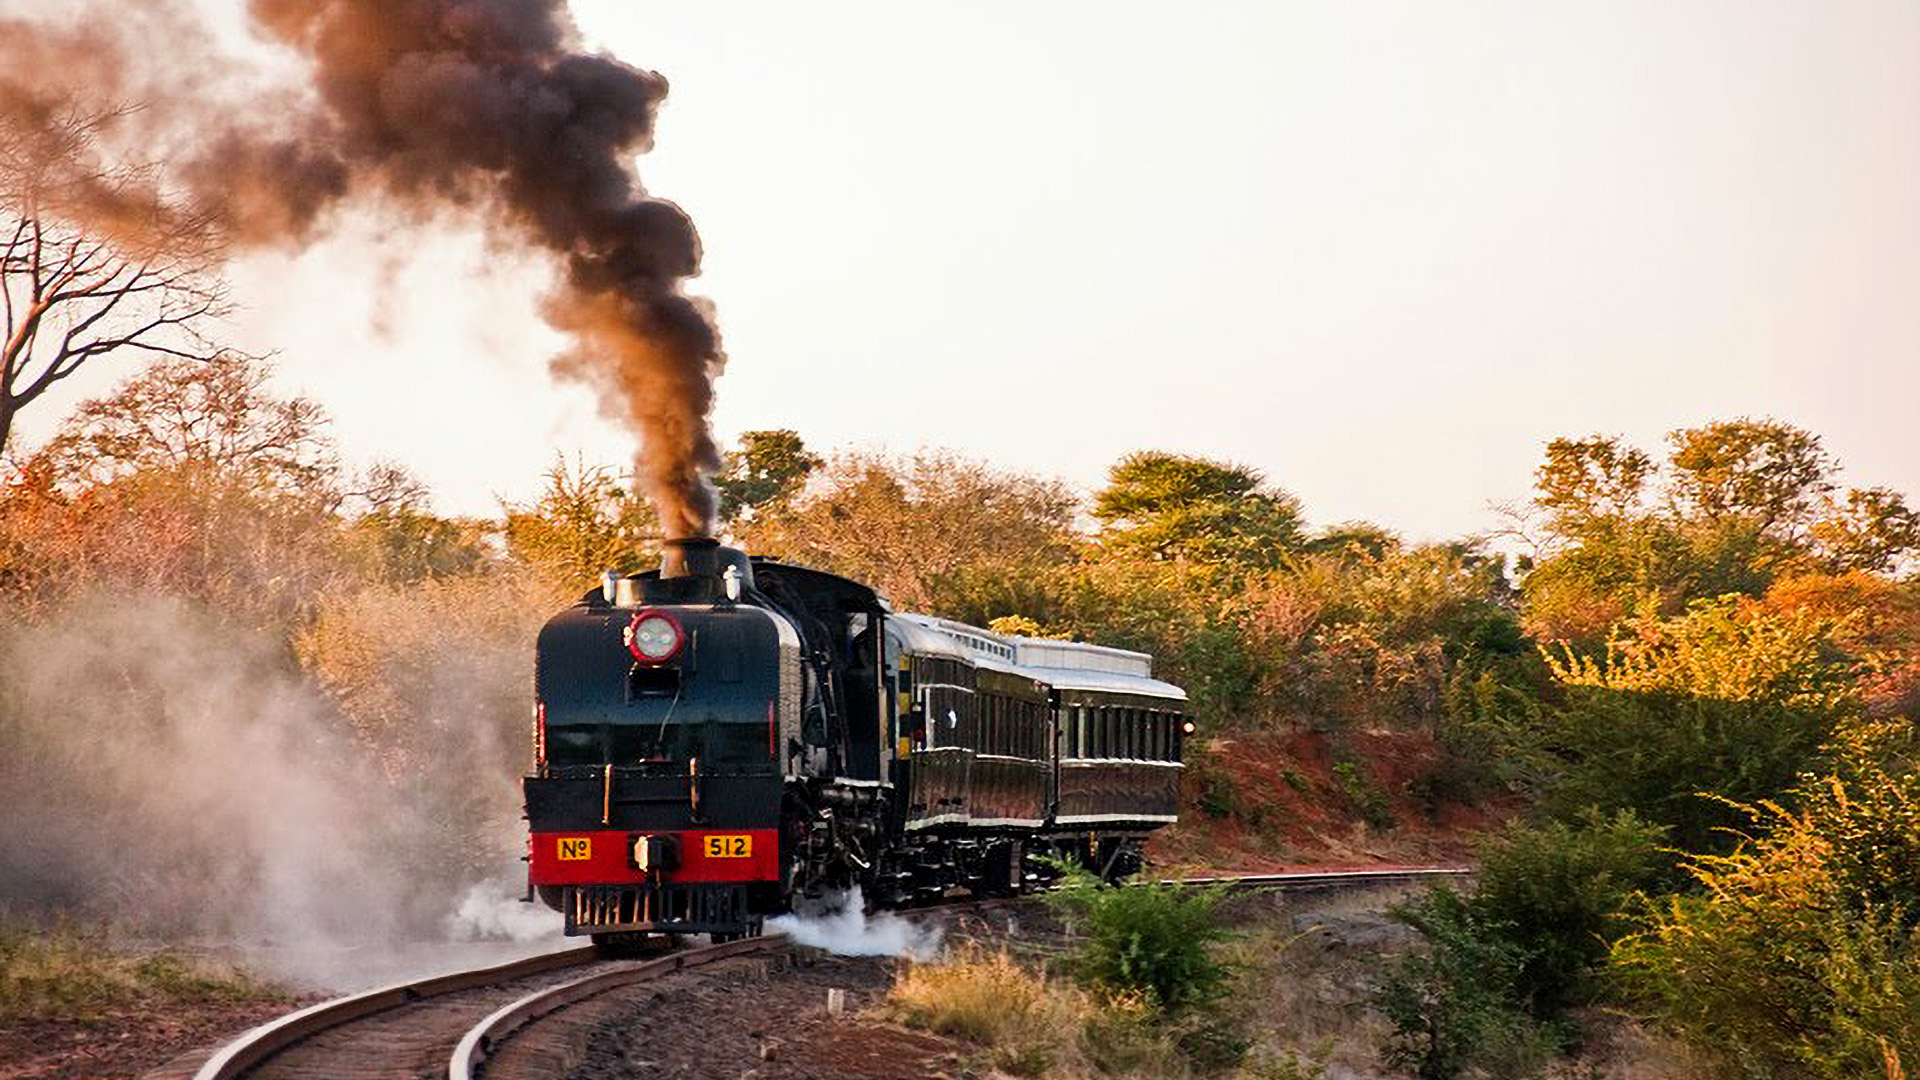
(1031, 1024)
(64, 974)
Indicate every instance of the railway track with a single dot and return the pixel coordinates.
(449, 1025)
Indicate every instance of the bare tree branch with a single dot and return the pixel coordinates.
(95, 261)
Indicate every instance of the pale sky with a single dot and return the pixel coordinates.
(1381, 251)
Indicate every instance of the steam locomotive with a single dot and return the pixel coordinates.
(721, 737)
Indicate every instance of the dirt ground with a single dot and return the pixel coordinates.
(122, 1044)
(766, 1020)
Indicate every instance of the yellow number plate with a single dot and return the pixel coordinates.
(575, 848)
(729, 847)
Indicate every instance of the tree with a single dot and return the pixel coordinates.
(904, 526)
(586, 521)
(1585, 482)
(1176, 506)
(1872, 530)
(191, 479)
(769, 468)
(92, 261)
(1355, 539)
(1740, 503)
(1769, 473)
(218, 415)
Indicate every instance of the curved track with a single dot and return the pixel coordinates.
(449, 1024)
(408, 1029)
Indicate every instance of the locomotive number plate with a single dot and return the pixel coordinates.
(729, 847)
(574, 848)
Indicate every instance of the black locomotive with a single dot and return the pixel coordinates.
(719, 737)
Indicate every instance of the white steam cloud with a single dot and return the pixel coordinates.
(170, 773)
(842, 926)
(488, 913)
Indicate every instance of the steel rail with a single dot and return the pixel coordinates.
(483, 1037)
(261, 1043)
(1310, 878)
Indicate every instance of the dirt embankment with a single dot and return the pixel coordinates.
(1266, 802)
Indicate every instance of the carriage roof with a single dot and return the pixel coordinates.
(1067, 665)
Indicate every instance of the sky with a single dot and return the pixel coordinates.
(1381, 251)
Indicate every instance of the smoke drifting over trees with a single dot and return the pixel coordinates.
(487, 109)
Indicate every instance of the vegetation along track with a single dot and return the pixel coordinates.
(449, 1024)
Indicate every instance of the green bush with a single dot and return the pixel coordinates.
(1799, 955)
(1363, 798)
(1556, 892)
(1149, 938)
(1452, 1002)
(1728, 703)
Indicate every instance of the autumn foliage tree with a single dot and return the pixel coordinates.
(1737, 505)
(906, 525)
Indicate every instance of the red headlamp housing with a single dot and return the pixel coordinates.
(654, 637)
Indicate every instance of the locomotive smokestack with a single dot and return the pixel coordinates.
(722, 571)
(690, 556)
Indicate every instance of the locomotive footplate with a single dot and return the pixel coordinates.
(656, 907)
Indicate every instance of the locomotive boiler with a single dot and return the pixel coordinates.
(721, 737)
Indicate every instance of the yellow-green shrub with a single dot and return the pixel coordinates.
(1801, 952)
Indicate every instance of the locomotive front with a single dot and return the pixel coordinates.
(666, 706)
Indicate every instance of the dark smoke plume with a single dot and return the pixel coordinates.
(429, 107)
